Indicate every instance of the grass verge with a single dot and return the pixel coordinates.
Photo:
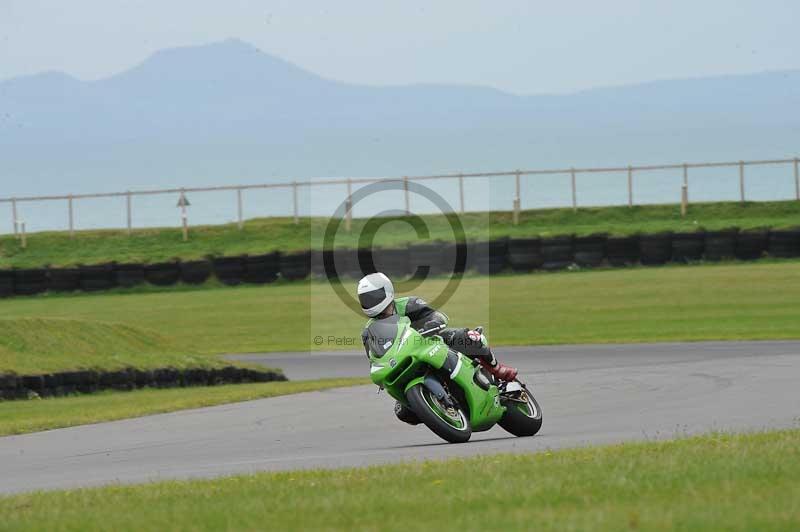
(18, 417)
(34, 345)
(268, 234)
(713, 482)
(687, 303)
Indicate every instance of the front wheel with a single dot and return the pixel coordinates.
(449, 423)
(523, 415)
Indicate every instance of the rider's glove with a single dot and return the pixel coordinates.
(476, 336)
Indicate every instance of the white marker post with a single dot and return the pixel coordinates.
(128, 208)
(71, 217)
(516, 199)
(239, 208)
(348, 215)
(405, 191)
(461, 191)
(574, 191)
(14, 217)
(23, 237)
(741, 180)
(630, 186)
(183, 202)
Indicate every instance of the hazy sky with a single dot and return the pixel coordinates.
(520, 46)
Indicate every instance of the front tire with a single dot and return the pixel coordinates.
(523, 417)
(452, 426)
(405, 414)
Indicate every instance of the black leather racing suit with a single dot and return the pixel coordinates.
(424, 317)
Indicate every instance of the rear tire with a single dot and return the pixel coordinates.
(455, 429)
(522, 419)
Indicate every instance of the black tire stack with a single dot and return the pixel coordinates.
(90, 381)
(437, 258)
(784, 243)
(721, 245)
(525, 254)
(455, 258)
(230, 270)
(347, 262)
(752, 245)
(688, 247)
(425, 260)
(65, 279)
(319, 260)
(491, 257)
(622, 250)
(129, 275)
(590, 251)
(295, 266)
(392, 262)
(260, 269)
(195, 271)
(162, 273)
(97, 277)
(655, 249)
(557, 252)
(29, 282)
(6, 283)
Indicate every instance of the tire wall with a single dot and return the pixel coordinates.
(488, 258)
(89, 381)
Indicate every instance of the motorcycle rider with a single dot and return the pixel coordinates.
(376, 295)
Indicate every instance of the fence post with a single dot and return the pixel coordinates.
(630, 186)
(516, 199)
(686, 180)
(405, 190)
(184, 217)
(294, 198)
(24, 236)
(239, 209)
(797, 178)
(348, 213)
(129, 212)
(574, 192)
(741, 180)
(461, 188)
(684, 199)
(71, 217)
(14, 216)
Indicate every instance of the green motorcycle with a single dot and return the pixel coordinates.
(447, 391)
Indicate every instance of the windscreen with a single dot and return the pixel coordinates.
(381, 334)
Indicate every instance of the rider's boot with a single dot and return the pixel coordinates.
(500, 371)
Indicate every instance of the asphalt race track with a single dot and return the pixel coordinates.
(589, 395)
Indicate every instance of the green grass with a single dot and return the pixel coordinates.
(35, 344)
(262, 235)
(17, 417)
(688, 303)
(714, 482)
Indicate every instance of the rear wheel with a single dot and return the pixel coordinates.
(449, 423)
(523, 415)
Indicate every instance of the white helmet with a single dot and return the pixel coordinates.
(375, 293)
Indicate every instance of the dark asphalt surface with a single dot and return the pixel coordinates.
(589, 395)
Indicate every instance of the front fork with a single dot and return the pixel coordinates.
(437, 389)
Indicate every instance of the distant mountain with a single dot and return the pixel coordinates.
(228, 112)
